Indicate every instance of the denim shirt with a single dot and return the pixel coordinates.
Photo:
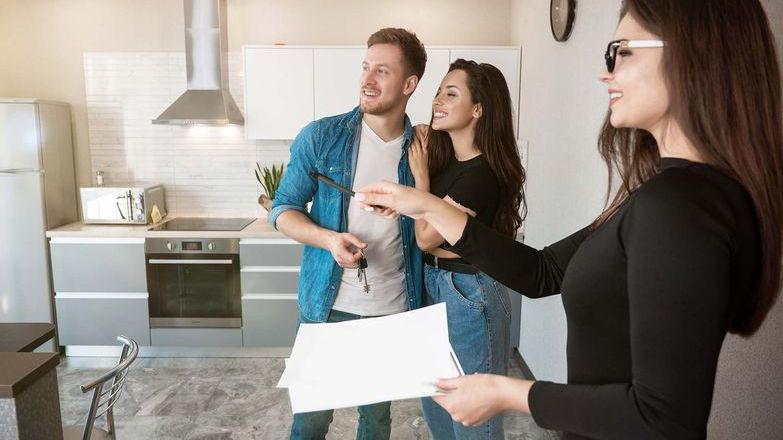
(330, 146)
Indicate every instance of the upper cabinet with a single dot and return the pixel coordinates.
(286, 87)
(278, 91)
(337, 72)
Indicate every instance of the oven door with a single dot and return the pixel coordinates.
(191, 290)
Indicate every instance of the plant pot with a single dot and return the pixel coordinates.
(265, 202)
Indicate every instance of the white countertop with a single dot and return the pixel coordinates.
(260, 228)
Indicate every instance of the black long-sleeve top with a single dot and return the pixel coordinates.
(648, 297)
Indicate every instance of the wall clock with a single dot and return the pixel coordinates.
(561, 18)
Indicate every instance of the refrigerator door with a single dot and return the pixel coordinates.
(19, 137)
(25, 286)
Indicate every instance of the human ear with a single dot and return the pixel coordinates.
(410, 85)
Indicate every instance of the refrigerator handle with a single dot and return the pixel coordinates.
(10, 171)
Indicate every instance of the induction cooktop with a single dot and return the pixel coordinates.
(203, 224)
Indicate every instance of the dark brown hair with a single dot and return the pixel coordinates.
(724, 84)
(494, 138)
(412, 49)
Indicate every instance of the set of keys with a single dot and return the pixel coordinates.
(361, 273)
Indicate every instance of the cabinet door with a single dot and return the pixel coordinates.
(420, 105)
(278, 91)
(269, 320)
(337, 76)
(98, 265)
(507, 59)
(97, 319)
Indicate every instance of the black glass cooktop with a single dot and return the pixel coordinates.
(203, 224)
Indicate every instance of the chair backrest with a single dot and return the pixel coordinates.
(104, 397)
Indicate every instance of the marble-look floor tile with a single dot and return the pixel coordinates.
(222, 398)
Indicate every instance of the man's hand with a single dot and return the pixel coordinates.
(345, 249)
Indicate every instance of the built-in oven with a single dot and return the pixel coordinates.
(193, 282)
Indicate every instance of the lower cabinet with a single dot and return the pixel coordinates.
(269, 271)
(95, 319)
(269, 320)
(100, 286)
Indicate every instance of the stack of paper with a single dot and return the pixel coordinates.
(371, 360)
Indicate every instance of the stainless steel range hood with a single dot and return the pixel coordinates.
(207, 100)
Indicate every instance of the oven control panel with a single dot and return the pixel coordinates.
(169, 245)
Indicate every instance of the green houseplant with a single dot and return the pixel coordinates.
(269, 178)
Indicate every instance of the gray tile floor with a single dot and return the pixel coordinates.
(208, 398)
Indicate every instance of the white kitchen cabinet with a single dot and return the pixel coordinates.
(337, 77)
(278, 91)
(269, 270)
(506, 59)
(287, 87)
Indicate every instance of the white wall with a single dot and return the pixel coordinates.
(562, 108)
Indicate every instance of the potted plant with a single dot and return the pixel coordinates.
(269, 178)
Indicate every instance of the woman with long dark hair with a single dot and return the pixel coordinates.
(688, 249)
(470, 151)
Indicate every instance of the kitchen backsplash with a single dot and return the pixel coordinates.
(207, 171)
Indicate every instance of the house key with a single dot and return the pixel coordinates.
(362, 273)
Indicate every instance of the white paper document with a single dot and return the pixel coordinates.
(352, 363)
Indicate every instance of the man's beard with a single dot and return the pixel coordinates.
(376, 108)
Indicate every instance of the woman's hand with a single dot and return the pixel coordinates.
(476, 398)
(472, 399)
(417, 155)
(394, 198)
(448, 220)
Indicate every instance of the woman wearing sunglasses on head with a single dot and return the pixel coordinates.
(688, 249)
(470, 151)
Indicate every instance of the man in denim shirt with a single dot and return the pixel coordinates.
(355, 149)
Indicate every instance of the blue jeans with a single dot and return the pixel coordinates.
(374, 420)
(479, 314)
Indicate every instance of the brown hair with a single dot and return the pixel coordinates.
(494, 138)
(412, 49)
(724, 84)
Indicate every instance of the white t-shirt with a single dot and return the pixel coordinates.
(377, 160)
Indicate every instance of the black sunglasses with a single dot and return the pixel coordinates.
(611, 49)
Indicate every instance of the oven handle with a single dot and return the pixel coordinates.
(167, 261)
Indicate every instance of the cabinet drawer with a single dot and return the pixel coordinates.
(196, 337)
(101, 266)
(270, 253)
(254, 281)
(98, 320)
(269, 321)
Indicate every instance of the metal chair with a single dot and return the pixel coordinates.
(103, 400)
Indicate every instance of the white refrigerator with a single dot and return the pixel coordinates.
(37, 192)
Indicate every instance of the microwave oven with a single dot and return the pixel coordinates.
(121, 204)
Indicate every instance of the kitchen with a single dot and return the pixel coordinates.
(120, 64)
